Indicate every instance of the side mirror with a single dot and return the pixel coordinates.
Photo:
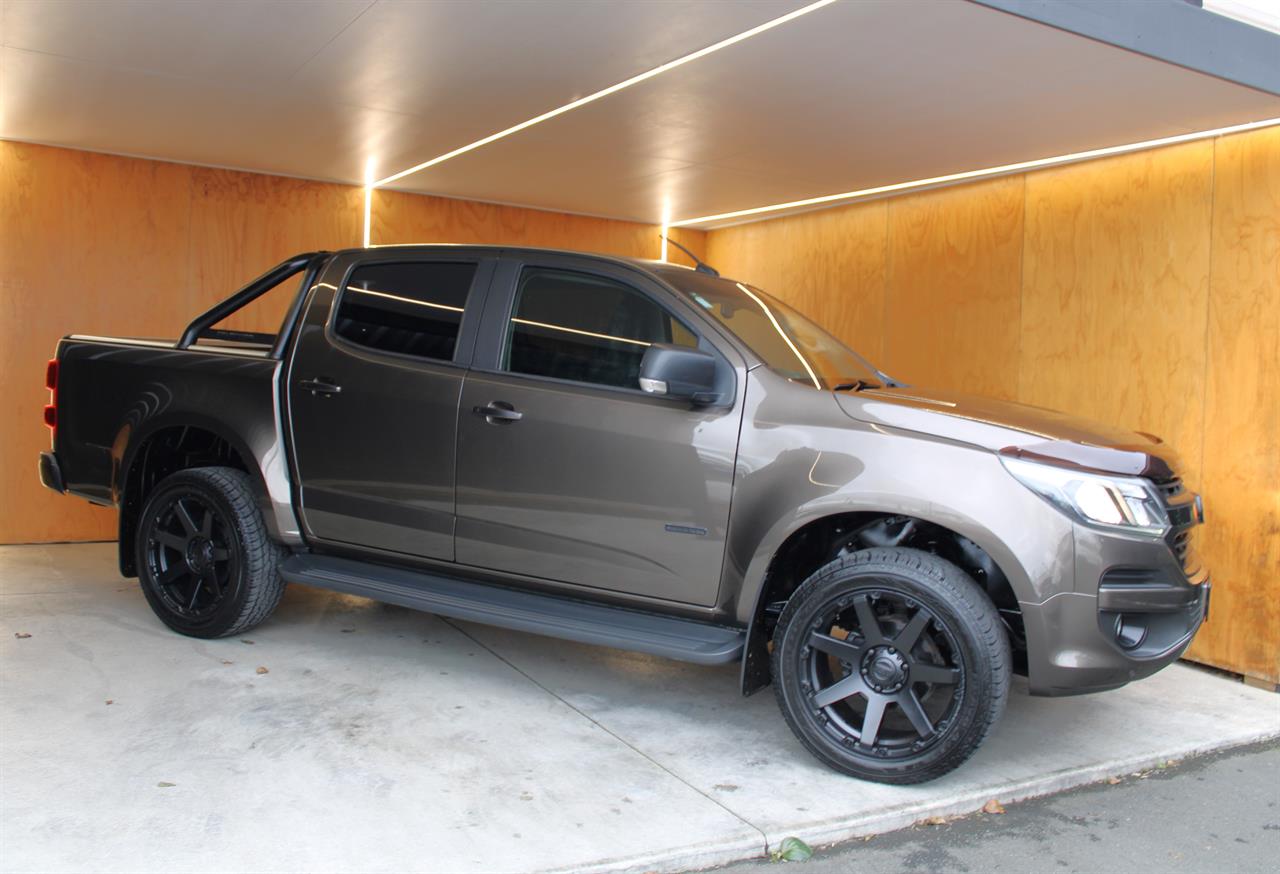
(679, 372)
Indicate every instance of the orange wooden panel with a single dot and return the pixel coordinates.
(93, 243)
(242, 224)
(952, 313)
(89, 243)
(1241, 469)
(1115, 292)
(413, 218)
(830, 265)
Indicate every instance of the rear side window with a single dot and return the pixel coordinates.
(585, 328)
(410, 309)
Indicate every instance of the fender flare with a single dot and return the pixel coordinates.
(754, 674)
(127, 450)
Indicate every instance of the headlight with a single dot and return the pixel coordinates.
(1116, 502)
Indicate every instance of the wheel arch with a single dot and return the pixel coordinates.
(162, 447)
(813, 541)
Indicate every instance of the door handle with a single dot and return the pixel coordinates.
(319, 386)
(498, 411)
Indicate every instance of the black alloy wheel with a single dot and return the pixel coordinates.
(191, 557)
(882, 670)
(891, 665)
(206, 563)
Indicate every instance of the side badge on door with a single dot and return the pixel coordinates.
(686, 529)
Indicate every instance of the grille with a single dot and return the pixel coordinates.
(1181, 545)
(1182, 515)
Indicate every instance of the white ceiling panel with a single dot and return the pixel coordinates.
(317, 88)
(853, 96)
(230, 40)
(857, 94)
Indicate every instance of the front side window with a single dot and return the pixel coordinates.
(414, 308)
(585, 328)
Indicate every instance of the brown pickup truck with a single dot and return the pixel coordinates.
(640, 455)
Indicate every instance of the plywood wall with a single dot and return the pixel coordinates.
(1143, 290)
(93, 243)
(1240, 463)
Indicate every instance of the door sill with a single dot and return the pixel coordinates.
(581, 621)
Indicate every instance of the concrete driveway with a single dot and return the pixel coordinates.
(346, 735)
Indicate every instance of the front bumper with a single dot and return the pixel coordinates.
(1074, 645)
(51, 472)
(1136, 606)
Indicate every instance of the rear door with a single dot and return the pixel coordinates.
(373, 394)
(567, 471)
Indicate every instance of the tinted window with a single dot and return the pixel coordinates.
(412, 309)
(586, 329)
(788, 342)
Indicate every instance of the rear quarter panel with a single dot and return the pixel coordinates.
(112, 395)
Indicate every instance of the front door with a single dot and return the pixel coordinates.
(373, 399)
(567, 471)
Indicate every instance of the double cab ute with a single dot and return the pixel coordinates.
(640, 455)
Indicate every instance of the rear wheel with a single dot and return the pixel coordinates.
(891, 665)
(205, 562)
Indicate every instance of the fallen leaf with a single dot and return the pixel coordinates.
(111, 701)
(993, 806)
(1114, 781)
(163, 785)
(936, 820)
(249, 642)
(21, 635)
(792, 850)
(261, 669)
(228, 662)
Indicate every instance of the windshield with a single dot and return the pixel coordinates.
(785, 340)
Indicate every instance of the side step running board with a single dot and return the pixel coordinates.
(522, 611)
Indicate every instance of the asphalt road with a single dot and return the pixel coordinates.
(1218, 813)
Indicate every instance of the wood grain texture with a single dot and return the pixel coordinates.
(1115, 293)
(830, 265)
(1142, 290)
(953, 307)
(93, 243)
(243, 224)
(1241, 467)
(413, 218)
(1137, 290)
(89, 243)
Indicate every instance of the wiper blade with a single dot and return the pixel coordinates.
(856, 385)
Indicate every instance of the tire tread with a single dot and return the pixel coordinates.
(956, 588)
(261, 555)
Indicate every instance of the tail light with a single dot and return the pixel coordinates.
(51, 383)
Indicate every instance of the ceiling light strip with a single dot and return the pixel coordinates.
(368, 201)
(612, 89)
(1001, 170)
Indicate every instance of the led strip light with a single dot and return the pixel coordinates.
(967, 175)
(605, 92)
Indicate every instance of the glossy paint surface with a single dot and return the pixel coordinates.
(588, 486)
(375, 461)
(613, 493)
(114, 394)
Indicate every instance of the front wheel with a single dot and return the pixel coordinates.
(205, 562)
(891, 665)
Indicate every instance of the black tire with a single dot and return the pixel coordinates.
(205, 561)
(923, 666)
